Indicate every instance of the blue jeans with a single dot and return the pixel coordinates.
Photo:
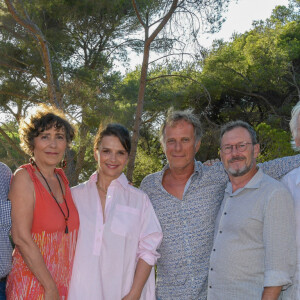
(2, 290)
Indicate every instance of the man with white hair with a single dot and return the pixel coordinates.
(292, 182)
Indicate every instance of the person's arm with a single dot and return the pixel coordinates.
(5, 205)
(5, 221)
(271, 293)
(141, 275)
(149, 240)
(22, 199)
(277, 168)
(279, 240)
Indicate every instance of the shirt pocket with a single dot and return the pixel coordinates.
(126, 221)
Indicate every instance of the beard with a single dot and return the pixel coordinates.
(241, 171)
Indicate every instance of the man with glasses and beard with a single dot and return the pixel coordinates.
(254, 251)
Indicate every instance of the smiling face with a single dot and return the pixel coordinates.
(180, 145)
(111, 157)
(49, 146)
(238, 163)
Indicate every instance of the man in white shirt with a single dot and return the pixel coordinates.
(292, 182)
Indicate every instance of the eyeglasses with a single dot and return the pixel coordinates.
(240, 147)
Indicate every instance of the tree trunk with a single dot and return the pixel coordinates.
(143, 80)
(139, 111)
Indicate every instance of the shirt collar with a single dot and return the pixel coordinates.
(121, 179)
(254, 183)
(197, 169)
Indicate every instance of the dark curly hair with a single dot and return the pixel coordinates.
(43, 118)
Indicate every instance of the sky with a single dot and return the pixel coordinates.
(240, 16)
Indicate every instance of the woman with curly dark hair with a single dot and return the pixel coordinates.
(44, 219)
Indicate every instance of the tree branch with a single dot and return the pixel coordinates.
(37, 34)
(164, 21)
(259, 97)
(171, 54)
(11, 142)
(138, 13)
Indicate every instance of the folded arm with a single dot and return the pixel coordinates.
(279, 242)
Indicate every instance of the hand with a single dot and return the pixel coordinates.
(210, 162)
(131, 297)
(52, 294)
(127, 297)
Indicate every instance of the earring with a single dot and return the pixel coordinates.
(63, 163)
(32, 161)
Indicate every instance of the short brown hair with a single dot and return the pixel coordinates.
(43, 118)
(116, 130)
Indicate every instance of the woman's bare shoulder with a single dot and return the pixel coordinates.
(21, 181)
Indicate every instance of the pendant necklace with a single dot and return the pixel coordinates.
(51, 193)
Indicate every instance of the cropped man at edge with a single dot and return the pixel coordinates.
(186, 196)
(254, 251)
(5, 224)
(292, 182)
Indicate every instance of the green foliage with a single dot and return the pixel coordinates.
(8, 154)
(145, 164)
(274, 142)
(254, 77)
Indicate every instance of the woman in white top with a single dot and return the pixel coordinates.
(119, 231)
(292, 182)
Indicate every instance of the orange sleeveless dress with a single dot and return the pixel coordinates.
(57, 248)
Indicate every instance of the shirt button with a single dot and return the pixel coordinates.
(220, 231)
(225, 213)
(214, 249)
(210, 286)
(211, 269)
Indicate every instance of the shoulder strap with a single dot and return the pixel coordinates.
(62, 175)
(30, 169)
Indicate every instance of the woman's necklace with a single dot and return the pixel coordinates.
(51, 193)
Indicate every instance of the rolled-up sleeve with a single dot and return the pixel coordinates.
(279, 239)
(150, 235)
